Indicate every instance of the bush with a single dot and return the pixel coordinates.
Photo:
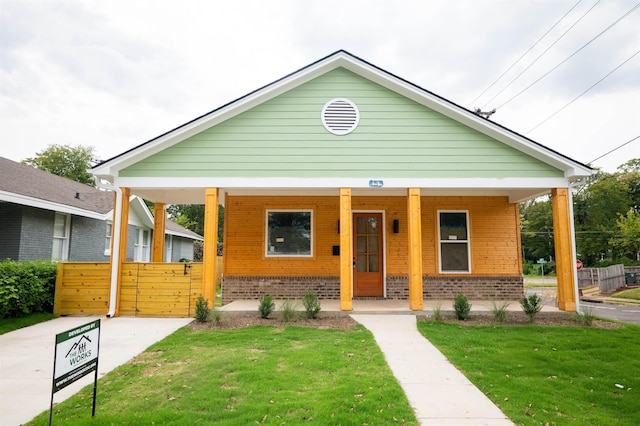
(500, 312)
(461, 306)
(288, 310)
(531, 306)
(311, 305)
(586, 318)
(26, 287)
(217, 317)
(202, 309)
(437, 312)
(266, 307)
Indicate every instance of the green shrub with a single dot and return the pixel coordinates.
(288, 310)
(202, 309)
(531, 306)
(500, 312)
(461, 306)
(217, 317)
(26, 287)
(311, 305)
(437, 312)
(586, 318)
(266, 306)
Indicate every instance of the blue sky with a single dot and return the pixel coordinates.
(115, 74)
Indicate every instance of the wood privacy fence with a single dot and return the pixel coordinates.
(147, 289)
(607, 279)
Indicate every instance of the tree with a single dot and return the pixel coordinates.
(66, 161)
(191, 216)
(537, 229)
(628, 240)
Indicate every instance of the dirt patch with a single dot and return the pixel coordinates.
(342, 321)
(247, 320)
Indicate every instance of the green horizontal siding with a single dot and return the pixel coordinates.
(396, 138)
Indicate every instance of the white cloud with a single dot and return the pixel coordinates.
(115, 74)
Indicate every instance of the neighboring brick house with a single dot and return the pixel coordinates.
(47, 217)
(348, 181)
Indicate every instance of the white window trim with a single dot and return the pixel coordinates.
(267, 254)
(108, 238)
(65, 238)
(467, 242)
(138, 247)
(168, 247)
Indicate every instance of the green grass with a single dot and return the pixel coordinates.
(549, 375)
(10, 324)
(633, 293)
(254, 375)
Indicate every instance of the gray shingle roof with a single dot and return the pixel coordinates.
(22, 180)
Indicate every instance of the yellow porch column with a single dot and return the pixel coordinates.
(346, 257)
(415, 249)
(159, 223)
(124, 232)
(210, 246)
(564, 248)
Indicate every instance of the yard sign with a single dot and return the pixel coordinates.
(76, 356)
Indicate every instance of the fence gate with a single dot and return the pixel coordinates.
(160, 289)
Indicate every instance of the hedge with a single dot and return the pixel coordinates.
(26, 287)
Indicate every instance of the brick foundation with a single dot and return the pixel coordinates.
(328, 288)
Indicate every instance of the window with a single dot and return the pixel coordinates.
(107, 239)
(60, 250)
(141, 248)
(168, 247)
(454, 241)
(289, 233)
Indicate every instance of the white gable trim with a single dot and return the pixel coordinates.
(343, 59)
(48, 205)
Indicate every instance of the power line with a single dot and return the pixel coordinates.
(525, 53)
(570, 56)
(580, 95)
(543, 53)
(614, 149)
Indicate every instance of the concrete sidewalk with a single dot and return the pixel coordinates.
(437, 391)
(26, 359)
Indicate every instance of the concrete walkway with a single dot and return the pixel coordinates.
(26, 359)
(437, 391)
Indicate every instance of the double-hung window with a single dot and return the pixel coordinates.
(61, 225)
(107, 239)
(141, 247)
(454, 241)
(289, 233)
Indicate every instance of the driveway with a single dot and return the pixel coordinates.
(26, 359)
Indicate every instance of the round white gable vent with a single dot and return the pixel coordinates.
(340, 116)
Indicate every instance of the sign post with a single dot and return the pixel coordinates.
(76, 356)
(541, 262)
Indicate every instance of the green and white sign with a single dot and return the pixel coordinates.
(76, 354)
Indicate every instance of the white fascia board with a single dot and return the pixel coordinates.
(230, 110)
(468, 118)
(294, 183)
(183, 235)
(143, 216)
(48, 205)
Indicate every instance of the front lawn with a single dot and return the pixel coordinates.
(254, 375)
(549, 375)
(633, 293)
(10, 324)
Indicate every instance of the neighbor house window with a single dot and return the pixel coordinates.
(168, 247)
(454, 241)
(289, 233)
(107, 239)
(141, 247)
(61, 227)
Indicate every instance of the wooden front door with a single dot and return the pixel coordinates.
(368, 254)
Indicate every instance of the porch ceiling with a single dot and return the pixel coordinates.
(197, 195)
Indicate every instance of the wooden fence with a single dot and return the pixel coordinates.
(607, 279)
(147, 289)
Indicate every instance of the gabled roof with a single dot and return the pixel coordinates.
(26, 185)
(572, 169)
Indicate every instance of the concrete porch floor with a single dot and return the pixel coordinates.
(384, 306)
